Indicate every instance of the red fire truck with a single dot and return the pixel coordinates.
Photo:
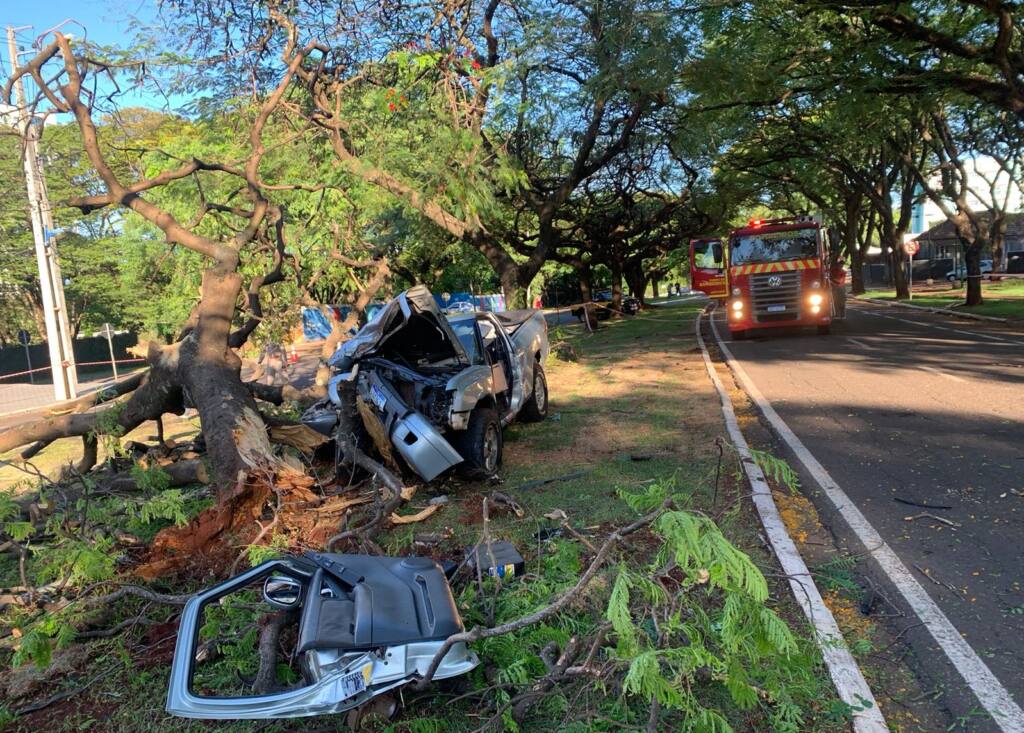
(707, 268)
(778, 276)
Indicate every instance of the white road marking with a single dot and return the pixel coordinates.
(849, 681)
(941, 373)
(860, 343)
(987, 688)
(974, 334)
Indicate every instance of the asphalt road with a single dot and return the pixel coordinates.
(924, 408)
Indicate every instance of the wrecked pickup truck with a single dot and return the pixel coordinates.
(437, 389)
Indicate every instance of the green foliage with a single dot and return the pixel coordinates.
(38, 642)
(419, 725)
(151, 478)
(168, 504)
(17, 530)
(257, 554)
(778, 469)
(836, 574)
(78, 561)
(229, 627)
(711, 620)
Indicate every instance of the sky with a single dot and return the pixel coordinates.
(106, 22)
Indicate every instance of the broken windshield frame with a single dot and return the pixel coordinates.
(794, 244)
(466, 331)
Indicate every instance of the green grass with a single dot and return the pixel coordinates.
(636, 408)
(1003, 299)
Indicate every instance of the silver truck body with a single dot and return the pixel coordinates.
(423, 374)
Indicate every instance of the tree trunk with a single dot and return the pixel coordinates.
(509, 279)
(637, 280)
(654, 287)
(616, 268)
(851, 227)
(899, 275)
(209, 370)
(586, 288)
(856, 272)
(891, 246)
(997, 238)
(586, 297)
(972, 259)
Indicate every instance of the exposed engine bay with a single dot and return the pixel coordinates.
(436, 390)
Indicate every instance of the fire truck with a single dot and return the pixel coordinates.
(707, 268)
(778, 276)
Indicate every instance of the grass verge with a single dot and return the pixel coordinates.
(1004, 299)
(632, 420)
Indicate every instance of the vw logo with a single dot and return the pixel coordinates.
(775, 281)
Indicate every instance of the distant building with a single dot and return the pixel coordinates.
(984, 175)
(941, 242)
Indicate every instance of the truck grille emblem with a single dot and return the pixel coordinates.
(775, 281)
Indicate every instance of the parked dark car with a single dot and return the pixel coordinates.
(603, 302)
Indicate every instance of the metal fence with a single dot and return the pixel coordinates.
(26, 378)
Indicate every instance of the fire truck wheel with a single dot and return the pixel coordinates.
(824, 330)
(739, 335)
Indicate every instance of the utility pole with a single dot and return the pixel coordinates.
(51, 286)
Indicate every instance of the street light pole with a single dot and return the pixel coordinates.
(51, 287)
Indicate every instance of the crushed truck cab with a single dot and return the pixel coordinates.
(778, 277)
(437, 390)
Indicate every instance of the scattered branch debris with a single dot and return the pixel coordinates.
(413, 518)
(921, 504)
(926, 515)
(545, 481)
(478, 632)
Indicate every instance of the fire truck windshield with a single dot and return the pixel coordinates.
(774, 246)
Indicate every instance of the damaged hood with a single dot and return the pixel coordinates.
(410, 329)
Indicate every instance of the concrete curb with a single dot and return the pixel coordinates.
(853, 689)
(944, 311)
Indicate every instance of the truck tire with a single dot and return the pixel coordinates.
(824, 330)
(738, 335)
(536, 408)
(480, 445)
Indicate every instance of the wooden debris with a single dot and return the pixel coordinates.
(413, 518)
(302, 437)
(926, 515)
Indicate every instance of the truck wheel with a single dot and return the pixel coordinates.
(536, 408)
(824, 330)
(480, 445)
(738, 335)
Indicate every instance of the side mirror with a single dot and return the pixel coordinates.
(282, 591)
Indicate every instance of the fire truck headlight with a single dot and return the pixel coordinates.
(815, 300)
(737, 305)
(815, 310)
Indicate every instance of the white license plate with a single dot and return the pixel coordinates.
(775, 308)
(378, 397)
(353, 684)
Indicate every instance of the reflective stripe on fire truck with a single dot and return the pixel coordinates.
(785, 266)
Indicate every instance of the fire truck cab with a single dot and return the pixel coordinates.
(778, 277)
(707, 268)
